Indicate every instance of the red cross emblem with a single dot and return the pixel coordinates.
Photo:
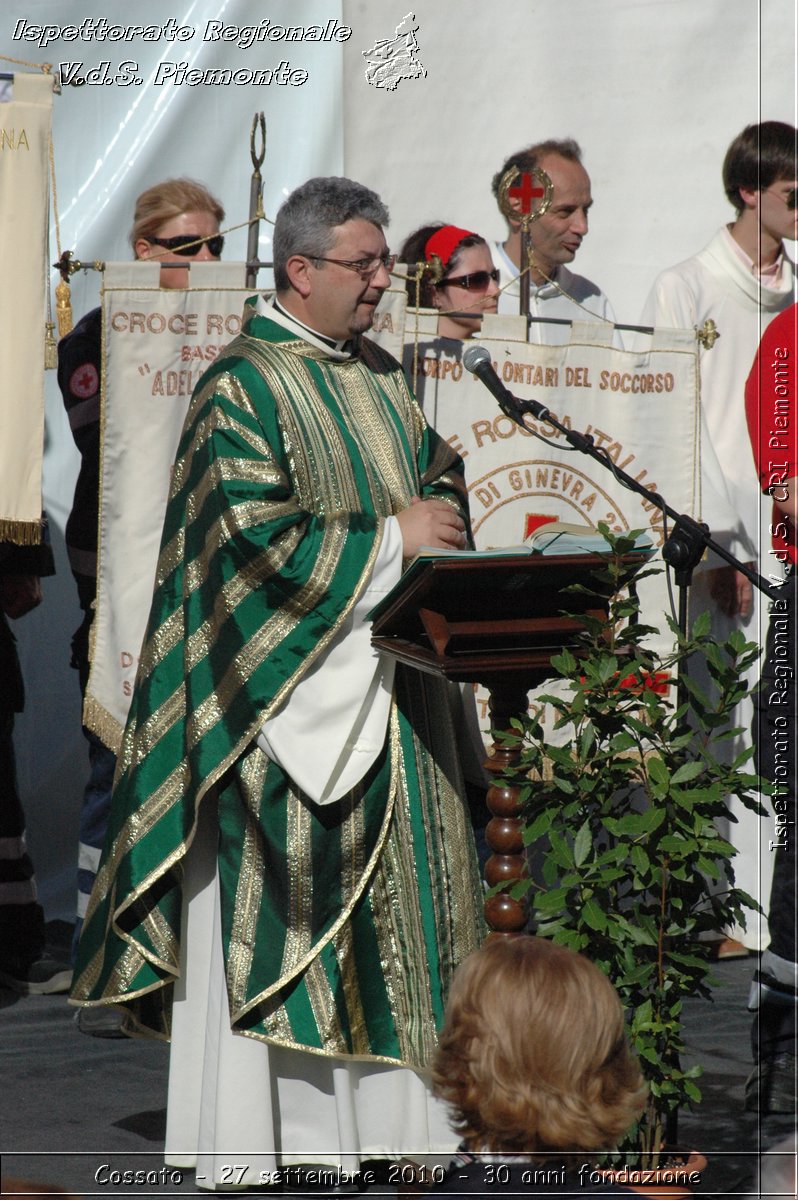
(534, 521)
(84, 381)
(525, 192)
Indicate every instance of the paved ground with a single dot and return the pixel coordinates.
(71, 1103)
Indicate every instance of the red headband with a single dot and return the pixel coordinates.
(444, 242)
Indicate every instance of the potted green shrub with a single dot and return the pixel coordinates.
(632, 868)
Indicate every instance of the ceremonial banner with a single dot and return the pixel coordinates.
(631, 403)
(25, 122)
(389, 321)
(156, 344)
(642, 408)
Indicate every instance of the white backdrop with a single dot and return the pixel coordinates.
(653, 90)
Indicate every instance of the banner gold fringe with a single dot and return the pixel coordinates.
(50, 347)
(99, 721)
(21, 533)
(63, 308)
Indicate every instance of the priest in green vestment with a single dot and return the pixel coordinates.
(345, 873)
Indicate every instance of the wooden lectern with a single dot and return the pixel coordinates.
(495, 620)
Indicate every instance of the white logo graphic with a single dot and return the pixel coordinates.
(390, 60)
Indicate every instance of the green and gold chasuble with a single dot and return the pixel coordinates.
(341, 924)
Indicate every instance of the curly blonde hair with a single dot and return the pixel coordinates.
(533, 1056)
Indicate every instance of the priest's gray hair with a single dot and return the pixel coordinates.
(307, 220)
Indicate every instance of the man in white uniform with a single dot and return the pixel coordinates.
(741, 280)
(555, 292)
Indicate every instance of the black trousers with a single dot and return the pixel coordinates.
(21, 918)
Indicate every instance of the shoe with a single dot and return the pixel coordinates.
(45, 977)
(104, 1021)
(770, 1088)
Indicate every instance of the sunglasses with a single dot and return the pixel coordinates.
(477, 281)
(190, 244)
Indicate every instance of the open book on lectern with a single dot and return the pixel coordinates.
(553, 537)
(556, 539)
(505, 603)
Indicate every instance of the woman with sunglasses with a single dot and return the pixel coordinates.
(458, 277)
(175, 222)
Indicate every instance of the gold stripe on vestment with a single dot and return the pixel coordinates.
(320, 467)
(163, 939)
(346, 911)
(125, 969)
(137, 826)
(323, 1007)
(256, 572)
(242, 666)
(400, 928)
(171, 632)
(347, 965)
(372, 423)
(158, 723)
(249, 890)
(297, 945)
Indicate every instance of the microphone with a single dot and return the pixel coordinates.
(476, 359)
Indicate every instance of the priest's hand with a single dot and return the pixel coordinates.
(430, 523)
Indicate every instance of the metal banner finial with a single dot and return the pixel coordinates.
(525, 187)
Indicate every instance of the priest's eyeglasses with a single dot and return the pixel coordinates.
(366, 268)
(189, 244)
(477, 281)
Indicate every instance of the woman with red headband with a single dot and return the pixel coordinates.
(459, 277)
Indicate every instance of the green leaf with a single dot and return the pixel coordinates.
(674, 843)
(708, 866)
(606, 669)
(687, 772)
(657, 770)
(540, 825)
(636, 824)
(702, 625)
(551, 900)
(749, 901)
(594, 916)
(582, 844)
(560, 851)
(564, 663)
(521, 887)
(638, 858)
(640, 936)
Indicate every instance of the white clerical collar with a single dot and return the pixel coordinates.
(770, 275)
(270, 307)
